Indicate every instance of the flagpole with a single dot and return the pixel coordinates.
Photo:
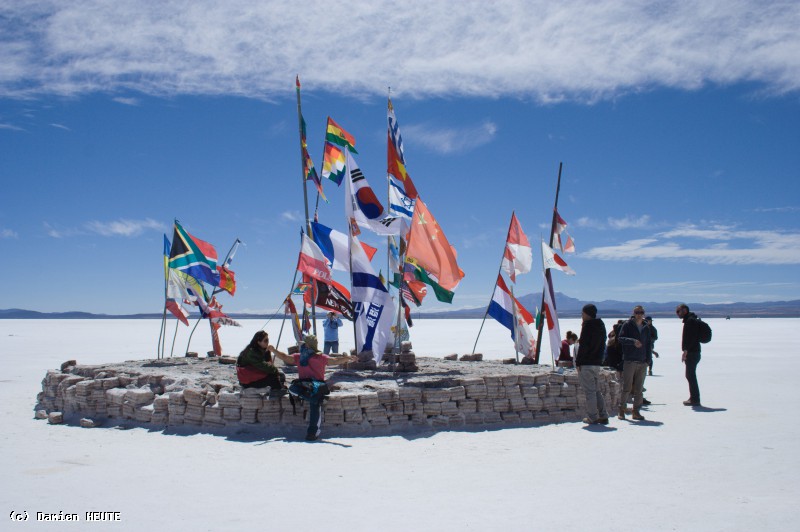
(499, 269)
(214, 334)
(547, 270)
(305, 188)
(514, 314)
(174, 336)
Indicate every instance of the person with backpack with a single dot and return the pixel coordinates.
(695, 332)
(254, 367)
(636, 348)
(311, 385)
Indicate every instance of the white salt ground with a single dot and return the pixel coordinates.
(729, 466)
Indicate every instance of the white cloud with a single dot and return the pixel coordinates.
(291, 216)
(127, 101)
(451, 140)
(124, 227)
(61, 126)
(8, 233)
(628, 222)
(716, 246)
(549, 51)
(11, 127)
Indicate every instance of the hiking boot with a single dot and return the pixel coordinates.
(589, 421)
(689, 402)
(637, 416)
(646, 402)
(650, 373)
(602, 421)
(621, 414)
(311, 437)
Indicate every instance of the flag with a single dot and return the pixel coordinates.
(178, 311)
(396, 162)
(372, 305)
(428, 245)
(502, 306)
(400, 205)
(563, 241)
(301, 288)
(333, 163)
(333, 245)
(291, 310)
(227, 280)
(335, 134)
(335, 298)
(193, 257)
(309, 172)
(525, 341)
(551, 259)
(518, 256)
(552, 318)
(312, 261)
(363, 206)
(412, 271)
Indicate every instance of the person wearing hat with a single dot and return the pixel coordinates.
(637, 345)
(589, 362)
(311, 365)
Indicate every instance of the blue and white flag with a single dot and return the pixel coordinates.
(400, 205)
(372, 305)
(333, 245)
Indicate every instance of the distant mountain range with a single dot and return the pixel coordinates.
(568, 307)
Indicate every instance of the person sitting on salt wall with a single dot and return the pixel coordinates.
(254, 366)
(311, 365)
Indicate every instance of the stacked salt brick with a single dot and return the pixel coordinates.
(407, 360)
(506, 399)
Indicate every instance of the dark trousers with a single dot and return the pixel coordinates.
(692, 360)
(331, 346)
(314, 417)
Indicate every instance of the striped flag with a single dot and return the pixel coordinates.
(193, 256)
(396, 162)
(313, 262)
(335, 134)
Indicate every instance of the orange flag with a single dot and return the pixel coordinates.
(430, 248)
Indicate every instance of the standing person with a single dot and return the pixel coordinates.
(331, 326)
(254, 366)
(311, 367)
(653, 337)
(589, 362)
(635, 339)
(690, 344)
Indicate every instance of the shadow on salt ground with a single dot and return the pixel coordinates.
(708, 409)
(599, 428)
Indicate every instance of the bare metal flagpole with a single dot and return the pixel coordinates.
(499, 269)
(547, 270)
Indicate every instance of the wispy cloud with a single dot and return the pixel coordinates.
(788, 208)
(291, 216)
(61, 126)
(11, 127)
(127, 101)
(8, 233)
(124, 227)
(549, 51)
(715, 246)
(626, 222)
(451, 140)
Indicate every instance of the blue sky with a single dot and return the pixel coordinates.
(678, 125)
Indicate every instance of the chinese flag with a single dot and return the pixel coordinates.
(428, 245)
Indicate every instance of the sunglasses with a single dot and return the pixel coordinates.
(639, 312)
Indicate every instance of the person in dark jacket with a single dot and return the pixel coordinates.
(254, 366)
(589, 360)
(690, 344)
(636, 348)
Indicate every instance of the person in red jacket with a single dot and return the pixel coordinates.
(254, 366)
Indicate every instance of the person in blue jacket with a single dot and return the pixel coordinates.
(331, 326)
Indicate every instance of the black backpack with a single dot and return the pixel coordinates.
(703, 331)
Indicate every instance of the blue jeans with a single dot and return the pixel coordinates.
(692, 360)
(314, 417)
(334, 346)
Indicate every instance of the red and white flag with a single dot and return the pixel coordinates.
(313, 262)
(551, 259)
(563, 241)
(552, 319)
(518, 256)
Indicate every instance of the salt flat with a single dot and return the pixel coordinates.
(732, 465)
